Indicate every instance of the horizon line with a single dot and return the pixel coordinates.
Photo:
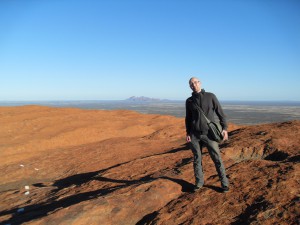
(155, 100)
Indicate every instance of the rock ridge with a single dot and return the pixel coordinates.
(72, 166)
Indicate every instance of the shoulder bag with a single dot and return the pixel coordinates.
(214, 129)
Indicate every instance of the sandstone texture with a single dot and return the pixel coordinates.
(120, 167)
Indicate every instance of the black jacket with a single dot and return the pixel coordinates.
(195, 123)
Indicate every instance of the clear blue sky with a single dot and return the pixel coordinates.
(114, 49)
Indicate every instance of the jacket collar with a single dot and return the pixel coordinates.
(199, 93)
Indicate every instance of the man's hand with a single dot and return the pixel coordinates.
(188, 138)
(225, 135)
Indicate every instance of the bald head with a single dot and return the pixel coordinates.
(195, 84)
(194, 79)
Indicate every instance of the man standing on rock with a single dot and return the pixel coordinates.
(197, 131)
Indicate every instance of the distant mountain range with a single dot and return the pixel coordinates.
(144, 99)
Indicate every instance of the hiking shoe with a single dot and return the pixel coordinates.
(197, 188)
(225, 189)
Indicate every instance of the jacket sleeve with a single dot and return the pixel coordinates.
(188, 118)
(220, 113)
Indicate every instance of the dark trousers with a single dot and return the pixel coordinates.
(196, 145)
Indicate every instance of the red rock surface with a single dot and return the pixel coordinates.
(122, 167)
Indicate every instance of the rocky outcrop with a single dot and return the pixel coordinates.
(71, 166)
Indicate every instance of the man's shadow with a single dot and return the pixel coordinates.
(39, 210)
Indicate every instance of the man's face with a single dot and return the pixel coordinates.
(195, 85)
